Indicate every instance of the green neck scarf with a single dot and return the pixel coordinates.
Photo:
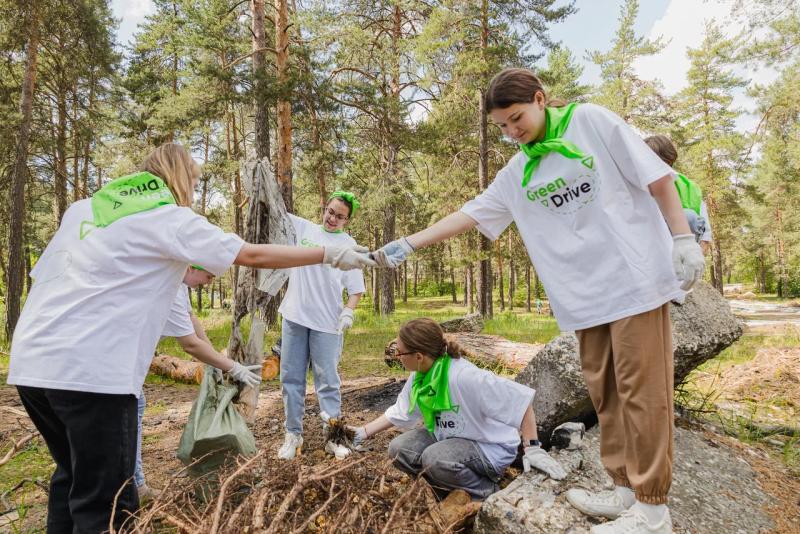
(329, 231)
(690, 193)
(557, 123)
(431, 392)
(125, 196)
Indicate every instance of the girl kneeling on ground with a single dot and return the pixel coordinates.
(472, 417)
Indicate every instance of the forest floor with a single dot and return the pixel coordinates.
(759, 370)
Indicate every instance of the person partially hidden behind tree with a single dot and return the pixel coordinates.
(472, 417)
(689, 192)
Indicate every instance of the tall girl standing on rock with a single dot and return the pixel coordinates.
(101, 296)
(314, 321)
(589, 199)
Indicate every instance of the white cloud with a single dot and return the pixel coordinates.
(683, 25)
(131, 13)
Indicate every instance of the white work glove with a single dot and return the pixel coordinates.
(347, 258)
(538, 458)
(393, 254)
(345, 319)
(688, 260)
(360, 435)
(249, 375)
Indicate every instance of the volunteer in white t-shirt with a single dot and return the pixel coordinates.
(589, 199)
(314, 321)
(90, 324)
(471, 417)
(183, 325)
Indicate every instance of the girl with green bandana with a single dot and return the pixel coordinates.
(314, 321)
(99, 302)
(471, 418)
(589, 199)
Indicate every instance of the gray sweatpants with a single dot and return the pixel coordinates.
(453, 463)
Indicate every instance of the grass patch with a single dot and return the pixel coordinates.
(32, 462)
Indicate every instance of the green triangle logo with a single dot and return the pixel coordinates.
(544, 203)
(588, 162)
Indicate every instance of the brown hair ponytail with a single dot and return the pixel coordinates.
(516, 86)
(425, 336)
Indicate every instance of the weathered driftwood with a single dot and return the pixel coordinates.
(267, 222)
(187, 371)
(469, 323)
(484, 350)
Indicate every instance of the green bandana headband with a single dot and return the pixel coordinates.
(431, 392)
(193, 266)
(349, 197)
(557, 124)
(690, 193)
(125, 196)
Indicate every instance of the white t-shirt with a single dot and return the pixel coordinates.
(99, 304)
(593, 232)
(314, 296)
(179, 322)
(490, 411)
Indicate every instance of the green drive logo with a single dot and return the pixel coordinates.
(565, 195)
(307, 243)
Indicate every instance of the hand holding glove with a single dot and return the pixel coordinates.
(392, 254)
(249, 375)
(687, 260)
(538, 458)
(347, 258)
(345, 319)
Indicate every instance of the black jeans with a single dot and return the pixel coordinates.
(92, 438)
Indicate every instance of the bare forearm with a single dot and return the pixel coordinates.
(528, 426)
(376, 426)
(204, 352)
(454, 224)
(352, 300)
(199, 330)
(278, 256)
(666, 196)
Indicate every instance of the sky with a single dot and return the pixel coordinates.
(680, 22)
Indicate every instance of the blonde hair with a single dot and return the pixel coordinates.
(173, 164)
(663, 147)
(425, 336)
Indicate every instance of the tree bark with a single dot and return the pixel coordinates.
(19, 176)
(283, 168)
(485, 306)
(499, 250)
(528, 287)
(261, 116)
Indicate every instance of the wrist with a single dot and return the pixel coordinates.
(532, 443)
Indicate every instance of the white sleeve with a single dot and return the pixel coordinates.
(199, 242)
(637, 162)
(179, 322)
(299, 224)
(397, 413)
(501, 399)
(704, 214)
(489, 209)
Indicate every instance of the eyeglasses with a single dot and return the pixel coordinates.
(334, 214)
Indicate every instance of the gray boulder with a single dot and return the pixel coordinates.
(713, 490)
(702, 327)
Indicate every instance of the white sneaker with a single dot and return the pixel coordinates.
(607, 504)
(339, 451)
(634, 522)
(292, 444)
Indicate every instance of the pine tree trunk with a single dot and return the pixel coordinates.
(60, 181)
(452, 274)
(19, 176)
(261, 115)
(528, 287)
(416, 272)
(405, 281)
(284, 133)
(500, 275)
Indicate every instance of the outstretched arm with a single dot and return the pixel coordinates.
(284, 256)
(454, 224)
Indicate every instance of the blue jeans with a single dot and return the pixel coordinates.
(453, 463)
(300, 345)
(138, 474)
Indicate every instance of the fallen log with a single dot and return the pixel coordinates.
(186, 371)
(484, 350)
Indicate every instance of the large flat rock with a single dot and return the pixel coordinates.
(702, 327)
(713, 491)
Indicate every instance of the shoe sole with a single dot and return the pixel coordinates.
(592, 513)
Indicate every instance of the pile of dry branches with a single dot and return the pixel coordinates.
(262, 495)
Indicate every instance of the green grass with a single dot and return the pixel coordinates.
(32, 462)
